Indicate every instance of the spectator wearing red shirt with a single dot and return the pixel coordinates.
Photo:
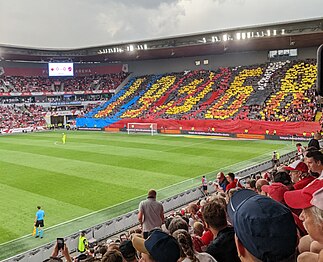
(233, 182)
(299, 174)
(207, 237)
(276, 191)
(198, 244)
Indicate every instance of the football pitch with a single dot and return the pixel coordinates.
(97, 175)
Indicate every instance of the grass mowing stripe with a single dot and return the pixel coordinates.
(74, 190)
(132, 162)
(121, 140)
(82, 169)
(140, 162)
(150, 154)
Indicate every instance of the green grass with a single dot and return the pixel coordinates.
(95, 170)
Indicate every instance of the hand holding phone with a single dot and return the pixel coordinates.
(60, 243)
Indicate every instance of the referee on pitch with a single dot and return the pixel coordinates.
(39, 222)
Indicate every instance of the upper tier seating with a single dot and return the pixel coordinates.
(45, 84)
(277, 91)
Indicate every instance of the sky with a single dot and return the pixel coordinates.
(85, 23)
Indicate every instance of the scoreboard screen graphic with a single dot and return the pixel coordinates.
(60, 69)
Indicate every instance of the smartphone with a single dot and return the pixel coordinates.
(60, 243)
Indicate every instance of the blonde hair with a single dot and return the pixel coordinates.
(198, 228)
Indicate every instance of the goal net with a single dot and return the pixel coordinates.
(133, 128)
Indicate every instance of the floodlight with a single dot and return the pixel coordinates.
(130, 48)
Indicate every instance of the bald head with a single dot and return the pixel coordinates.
(259, 183)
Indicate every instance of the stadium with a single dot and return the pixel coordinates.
(160, 113)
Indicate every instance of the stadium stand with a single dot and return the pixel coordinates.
(21, 117)
(281, 91)
(94, 82)
(271, 94)
(278, 91)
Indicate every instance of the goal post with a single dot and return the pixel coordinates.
(133, 128)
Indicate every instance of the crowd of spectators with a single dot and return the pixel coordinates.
(12, 116)
(274, 216)
(78, 83)
(293, 97)
(33, 115)
(26, 84)
(277, 91)
(53, 99)
(134, 89)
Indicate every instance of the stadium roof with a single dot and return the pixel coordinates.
(297, 34)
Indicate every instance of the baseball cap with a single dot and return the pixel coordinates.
(297, 165)
(317, 199)
(265, 227)
(127, 250)
(109, 241)
(275, 190)
(160, 245)
(300, 199)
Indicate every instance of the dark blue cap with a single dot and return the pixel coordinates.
(265, 227)
(162, 247)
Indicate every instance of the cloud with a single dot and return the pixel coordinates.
(82, 23)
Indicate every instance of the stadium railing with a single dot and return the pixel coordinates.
(126, 221)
